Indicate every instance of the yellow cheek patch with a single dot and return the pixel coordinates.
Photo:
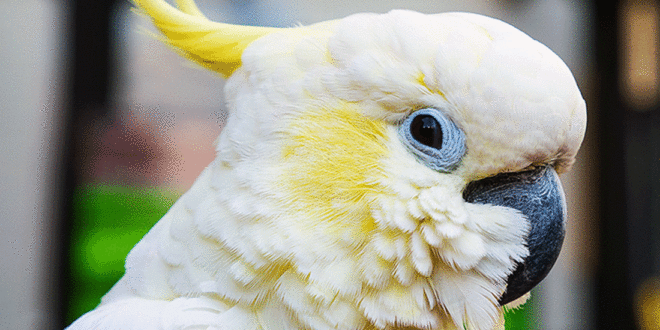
(333, 157)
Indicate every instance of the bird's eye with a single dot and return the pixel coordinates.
(426, 130)
(434, 139)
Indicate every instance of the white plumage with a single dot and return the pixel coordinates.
(316, 215)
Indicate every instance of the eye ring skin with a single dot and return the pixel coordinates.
(449, 155)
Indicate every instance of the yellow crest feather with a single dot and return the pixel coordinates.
(215, 46)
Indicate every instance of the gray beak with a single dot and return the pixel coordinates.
(538, 194)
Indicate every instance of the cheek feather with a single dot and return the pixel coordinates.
(331, 160)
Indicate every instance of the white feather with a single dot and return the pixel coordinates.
(241, 250)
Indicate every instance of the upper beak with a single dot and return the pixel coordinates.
(538, 195)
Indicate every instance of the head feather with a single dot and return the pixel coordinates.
(215, 46)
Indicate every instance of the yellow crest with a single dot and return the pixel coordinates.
(215, 46)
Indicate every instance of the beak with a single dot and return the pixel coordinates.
(538, 195)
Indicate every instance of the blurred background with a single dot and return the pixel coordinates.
(102, 128)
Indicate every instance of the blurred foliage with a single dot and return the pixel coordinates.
(525, 317)
(110, 219)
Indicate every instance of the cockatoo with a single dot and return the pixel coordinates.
(381, 171)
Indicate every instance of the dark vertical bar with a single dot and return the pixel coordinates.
(89, 86)
(630, 183)
(654, 180)
(614, 298)
(639, 174)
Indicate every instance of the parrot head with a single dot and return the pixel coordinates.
(386, 170)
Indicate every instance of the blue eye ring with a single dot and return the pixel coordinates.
(442, 153)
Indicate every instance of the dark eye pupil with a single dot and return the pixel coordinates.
(426, 130)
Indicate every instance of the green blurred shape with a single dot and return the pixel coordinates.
(108, 220)
(523, 317)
